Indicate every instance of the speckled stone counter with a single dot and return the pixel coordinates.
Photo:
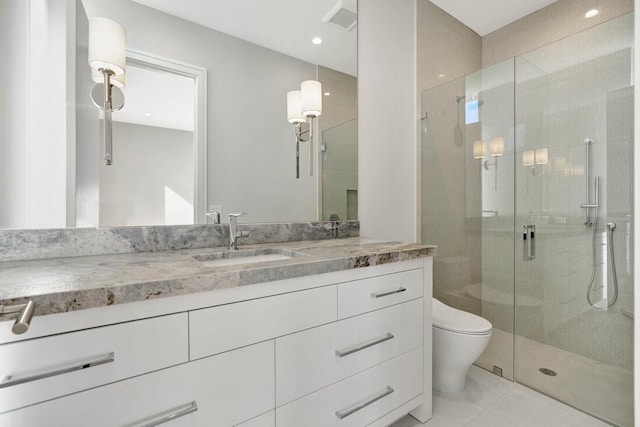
(66, 284)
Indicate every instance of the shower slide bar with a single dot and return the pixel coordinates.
(587, 170)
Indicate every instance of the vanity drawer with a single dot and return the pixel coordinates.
(361, 296)
(218, 329)
(315, 358)
(377, 391)
(227, 389)
(44, 368)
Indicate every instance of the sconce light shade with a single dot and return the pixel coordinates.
(496, 146)
(478, 149)
(528, 158)
(542, 156)
(118, 81)
(311, 98)
(294, 111)
(107, 45)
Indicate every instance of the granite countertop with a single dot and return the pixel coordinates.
(66, 284)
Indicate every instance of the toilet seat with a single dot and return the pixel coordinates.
(458, 321)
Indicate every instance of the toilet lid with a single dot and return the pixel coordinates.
(454, 320)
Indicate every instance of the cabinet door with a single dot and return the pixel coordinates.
(217, 329)
(374, 293)
(360, 399)
(312, 359)
(36, 370)
(226, 389)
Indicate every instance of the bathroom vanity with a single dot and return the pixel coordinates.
(330, 333)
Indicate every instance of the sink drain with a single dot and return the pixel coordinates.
(548, 371)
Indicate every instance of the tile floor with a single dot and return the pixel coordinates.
(585, 383)
(491, 401)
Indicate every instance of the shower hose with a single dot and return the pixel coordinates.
(610, 227)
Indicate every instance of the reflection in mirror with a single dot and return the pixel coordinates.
(51, 175)
(153, 135)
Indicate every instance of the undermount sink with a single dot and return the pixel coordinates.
(250, 256)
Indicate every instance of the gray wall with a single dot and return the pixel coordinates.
(251, 159)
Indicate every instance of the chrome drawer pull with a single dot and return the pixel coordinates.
(172, 414)
(355, 408)
(366, 344)
(386, 293)
(11, 380)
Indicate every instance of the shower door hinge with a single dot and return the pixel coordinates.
(497, 370)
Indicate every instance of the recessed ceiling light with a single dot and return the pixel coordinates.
(591, 13)
(317, 40)
(327, 94)
(147, 114)
(441, 76)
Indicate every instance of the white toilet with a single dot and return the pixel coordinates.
(459, 338)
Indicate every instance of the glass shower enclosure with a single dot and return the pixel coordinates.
(527, 183)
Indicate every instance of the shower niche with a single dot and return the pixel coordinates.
(532, 213)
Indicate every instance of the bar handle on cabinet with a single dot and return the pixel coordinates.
(350, 350)
(361, 405)
(387, 293)
(11, 380)
(25, 314)
(171, 415)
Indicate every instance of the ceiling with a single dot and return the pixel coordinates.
(486, 16)
(286, 26)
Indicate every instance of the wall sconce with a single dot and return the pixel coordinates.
(107, 56)
(304, 104)
(534, 158)
(496, 149)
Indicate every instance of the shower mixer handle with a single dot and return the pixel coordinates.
(588, 142)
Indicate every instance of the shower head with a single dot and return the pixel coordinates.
(472, 99)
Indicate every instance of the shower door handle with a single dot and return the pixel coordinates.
(529, 242)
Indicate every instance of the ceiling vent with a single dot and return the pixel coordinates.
(343, 13)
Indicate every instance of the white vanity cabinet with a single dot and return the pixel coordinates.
(348, 348)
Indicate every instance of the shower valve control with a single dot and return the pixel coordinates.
(529, 242)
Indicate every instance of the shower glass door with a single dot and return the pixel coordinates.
(573, 165)
(468, 200)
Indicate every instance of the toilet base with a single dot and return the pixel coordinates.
(452, 381)
(453, 355)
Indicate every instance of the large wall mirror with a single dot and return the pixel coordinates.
(204, 127)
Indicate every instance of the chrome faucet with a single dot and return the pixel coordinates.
(234, 234)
